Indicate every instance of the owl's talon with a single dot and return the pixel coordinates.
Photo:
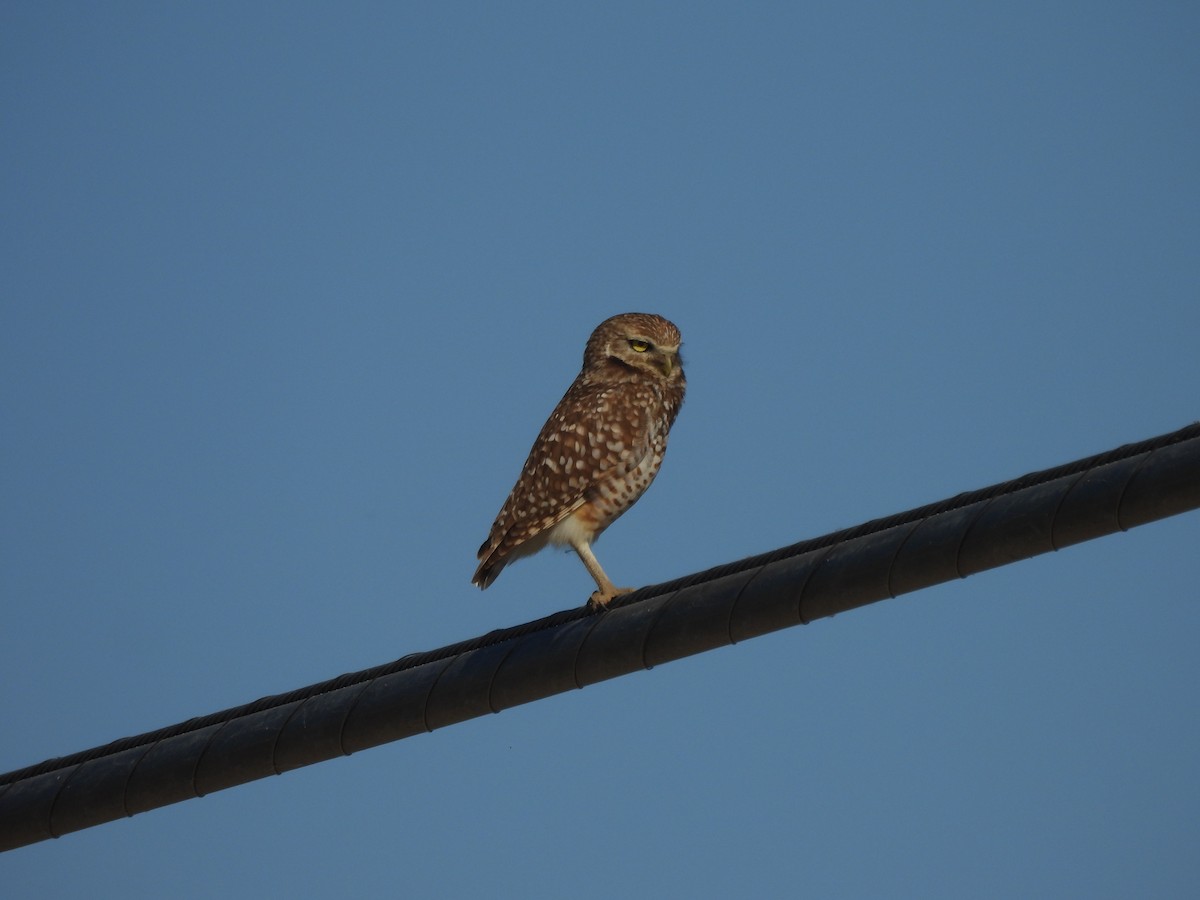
(601, 599)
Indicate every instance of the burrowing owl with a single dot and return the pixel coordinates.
(598, 451)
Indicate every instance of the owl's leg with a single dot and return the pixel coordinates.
(606, 590)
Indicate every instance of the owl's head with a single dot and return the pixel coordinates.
(642, 342)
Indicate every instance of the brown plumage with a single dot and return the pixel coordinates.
(598, 451)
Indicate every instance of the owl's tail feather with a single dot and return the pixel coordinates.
(489, 569)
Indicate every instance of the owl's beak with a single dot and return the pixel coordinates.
(670, 361)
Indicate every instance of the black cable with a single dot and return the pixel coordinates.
(953, 538)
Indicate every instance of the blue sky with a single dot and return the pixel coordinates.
(290, 288)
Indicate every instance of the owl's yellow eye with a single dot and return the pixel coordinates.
(639, 346)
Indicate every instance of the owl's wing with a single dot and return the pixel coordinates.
(597, 432)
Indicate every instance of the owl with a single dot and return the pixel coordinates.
(598, 451)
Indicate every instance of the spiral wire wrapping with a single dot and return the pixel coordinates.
(953, 538)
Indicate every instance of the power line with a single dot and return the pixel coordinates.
(953, 538)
